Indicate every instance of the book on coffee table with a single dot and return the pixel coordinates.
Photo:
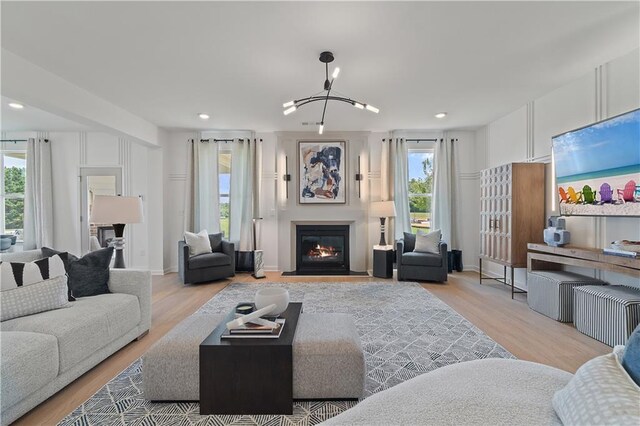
(255, 331)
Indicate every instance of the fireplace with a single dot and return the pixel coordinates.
(322, 249)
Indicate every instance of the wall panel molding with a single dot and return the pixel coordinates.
(82, 146)
(177, 176)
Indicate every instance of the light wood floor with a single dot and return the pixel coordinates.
(525, 333)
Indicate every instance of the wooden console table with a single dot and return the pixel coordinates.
(542, 256)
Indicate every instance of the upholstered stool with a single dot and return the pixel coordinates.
(328, 360)
(608, 314)
(551, 292)
(171, 367)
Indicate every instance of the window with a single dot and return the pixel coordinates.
(224, 187)
(13, 166)
(420, 188)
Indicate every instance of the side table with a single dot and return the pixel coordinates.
(383, 261)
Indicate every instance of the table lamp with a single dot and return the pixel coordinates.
(383, 210)
(118, 211)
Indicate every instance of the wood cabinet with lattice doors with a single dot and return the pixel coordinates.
(511, 215)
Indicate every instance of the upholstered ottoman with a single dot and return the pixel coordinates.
(171, 367)
(328, 361)
(608, 314)
(551, 292)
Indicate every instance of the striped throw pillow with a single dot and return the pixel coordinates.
(20, 274)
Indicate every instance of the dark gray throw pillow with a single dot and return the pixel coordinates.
(409, 242)
(216, 242)
(88, 275)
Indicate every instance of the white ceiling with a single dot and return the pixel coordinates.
(168, 61)
(33, 119)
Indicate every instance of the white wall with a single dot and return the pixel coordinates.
(525, 135)
(354, 212)
(141, 166)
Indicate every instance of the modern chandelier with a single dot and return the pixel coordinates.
(326, 58)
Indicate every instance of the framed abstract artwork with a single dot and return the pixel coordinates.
(322, 168)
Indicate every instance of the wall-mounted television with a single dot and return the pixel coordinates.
(597, 168)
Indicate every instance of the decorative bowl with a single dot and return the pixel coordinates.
(5, 243)
(278, 296)
(12, 237)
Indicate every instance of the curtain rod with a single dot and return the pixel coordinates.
(228, 140)
(413, 140)
(20, 140)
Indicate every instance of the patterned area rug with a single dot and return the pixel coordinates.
(405, 332)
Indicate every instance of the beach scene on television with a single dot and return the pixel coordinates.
(597, 168)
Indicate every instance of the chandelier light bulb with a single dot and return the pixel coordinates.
(335, 73)
(290, 110)
(372, 108)
(287, 104)
(358, 105)
(321, 129)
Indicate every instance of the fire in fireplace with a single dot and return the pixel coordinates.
(321, 252)
(322, 249)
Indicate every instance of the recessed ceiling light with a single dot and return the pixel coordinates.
(203, 116)
(16, 105)
(441, 115)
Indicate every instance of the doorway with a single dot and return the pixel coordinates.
(96, 181)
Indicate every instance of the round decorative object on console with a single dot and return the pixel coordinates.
(245, 308)
(277, 296)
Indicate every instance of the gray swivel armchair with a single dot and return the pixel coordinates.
(219, 264)
(413, 265)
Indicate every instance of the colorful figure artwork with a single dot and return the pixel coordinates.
(588, 195)
(627, 194)
(322, 169)
(606, 193)
(597, 168)
(574, 197)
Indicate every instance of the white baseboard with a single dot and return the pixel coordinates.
(158, 272)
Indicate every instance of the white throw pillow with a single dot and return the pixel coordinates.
(31, 299)
(428, 243)
(601, 392)
(198, 243)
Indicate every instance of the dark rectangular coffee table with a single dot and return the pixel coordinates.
(248, 376)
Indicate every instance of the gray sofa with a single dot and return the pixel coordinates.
(420, 266)
(481, 392)
(43, 353)
(219, 264)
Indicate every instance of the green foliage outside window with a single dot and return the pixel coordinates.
(14, 183)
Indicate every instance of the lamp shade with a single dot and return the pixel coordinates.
(383, 209)
(115, 209)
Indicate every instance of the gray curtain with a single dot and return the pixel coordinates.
(38, 201)
(446, 192)
(202, 191)
(395, 183)
(244, 196)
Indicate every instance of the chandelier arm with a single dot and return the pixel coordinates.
(324, 109)
(310, 99)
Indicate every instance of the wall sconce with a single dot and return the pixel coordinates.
(286, 177)
(359, 177)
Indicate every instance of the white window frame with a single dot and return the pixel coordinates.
(3, 195)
